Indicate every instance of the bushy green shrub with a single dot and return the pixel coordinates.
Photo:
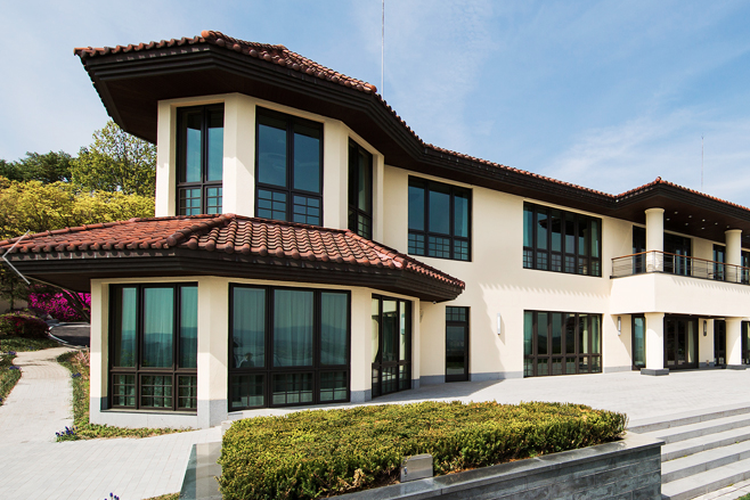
(18, 324)
(314, 454)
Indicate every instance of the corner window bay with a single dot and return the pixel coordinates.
(288, 346)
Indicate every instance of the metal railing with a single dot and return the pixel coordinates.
(663, 262)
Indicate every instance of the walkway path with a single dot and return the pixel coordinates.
(34, 466)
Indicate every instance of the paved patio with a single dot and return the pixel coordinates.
(34, 466)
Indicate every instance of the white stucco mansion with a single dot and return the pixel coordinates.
(308, 248)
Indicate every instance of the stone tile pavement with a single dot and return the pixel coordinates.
(34, 466)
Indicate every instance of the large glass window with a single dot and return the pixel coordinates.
(153, 347)
(561, 241)
(639, 342)
(391, 345)
(360, 190)
(439, 220)
(289, 346)
(557, 343)
(456, 344)
(677, 252)
(289, 173)
(200, 157)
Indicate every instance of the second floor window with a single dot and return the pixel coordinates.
(557, 240)
(289, 173)
(200, 158)
(360, 190)
(439, 220)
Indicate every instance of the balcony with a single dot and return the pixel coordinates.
(680, 265)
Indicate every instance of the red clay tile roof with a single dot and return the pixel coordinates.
(228, 234)
(275, 54)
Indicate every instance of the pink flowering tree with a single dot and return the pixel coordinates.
(62, 305)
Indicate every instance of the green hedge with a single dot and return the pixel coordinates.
(314, 454)
(20, 324)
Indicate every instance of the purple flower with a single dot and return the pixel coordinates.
(14, 367)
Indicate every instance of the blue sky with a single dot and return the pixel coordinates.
(607, 95)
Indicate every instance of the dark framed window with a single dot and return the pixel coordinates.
(720, 258)
(154, 347)
(639, 249)
(200, 158)
(391, 342)
(557, 343)
(456, 344)
(745, 267)
(745, 342)
(638, 341)
(288, 346)
(439, 220)
(677, 250)
(561, 241)
(288, 168)
(360, 190)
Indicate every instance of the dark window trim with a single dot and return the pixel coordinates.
(429, 185)
(586, 261)
(268, 370)
(633, 318)
(533, 358)
(354, 211)
(138, 370)
(289, 190)
(379, 364)
(204, 185)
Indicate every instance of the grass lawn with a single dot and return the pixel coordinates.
(8, 347)
(78, 364)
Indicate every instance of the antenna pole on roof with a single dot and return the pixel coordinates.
(701, 162)
(382, 50)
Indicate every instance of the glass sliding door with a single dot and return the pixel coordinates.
(720, 342)
(680, 342)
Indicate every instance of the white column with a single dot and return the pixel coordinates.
(361, 350)
(238, 172)
(213, 351)
(335, 175)
(733, 238)
(734, 341)
(166, 163)
(654, 239)
(654, 341)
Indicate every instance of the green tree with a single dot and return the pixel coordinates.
(47, 168)
(116, 161)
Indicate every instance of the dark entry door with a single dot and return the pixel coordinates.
(720, 342)
(680, 342)
(456, 344)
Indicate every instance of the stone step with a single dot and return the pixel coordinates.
(679, 449)
(649, 425)
(690, 431)
(690, 465)
(706, 482)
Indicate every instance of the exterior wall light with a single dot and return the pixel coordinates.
(619, 325)
(705, 327)
(499, 324)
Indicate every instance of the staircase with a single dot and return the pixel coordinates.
(702, 452)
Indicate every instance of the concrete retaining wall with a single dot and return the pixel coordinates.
(626, 470)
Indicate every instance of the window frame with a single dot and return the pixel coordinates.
(360, 221)
(268, 370)
(453, 192)
(465, 324)
(289, 191)
(204, 185)
(175, 371)
(378, 365)
(563, 260)
(531, 361)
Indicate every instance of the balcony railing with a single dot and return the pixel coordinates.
(682, 265)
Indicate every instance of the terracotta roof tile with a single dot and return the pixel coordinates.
(229, 234)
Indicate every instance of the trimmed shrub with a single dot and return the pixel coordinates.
(19, 324)
(320, 453)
